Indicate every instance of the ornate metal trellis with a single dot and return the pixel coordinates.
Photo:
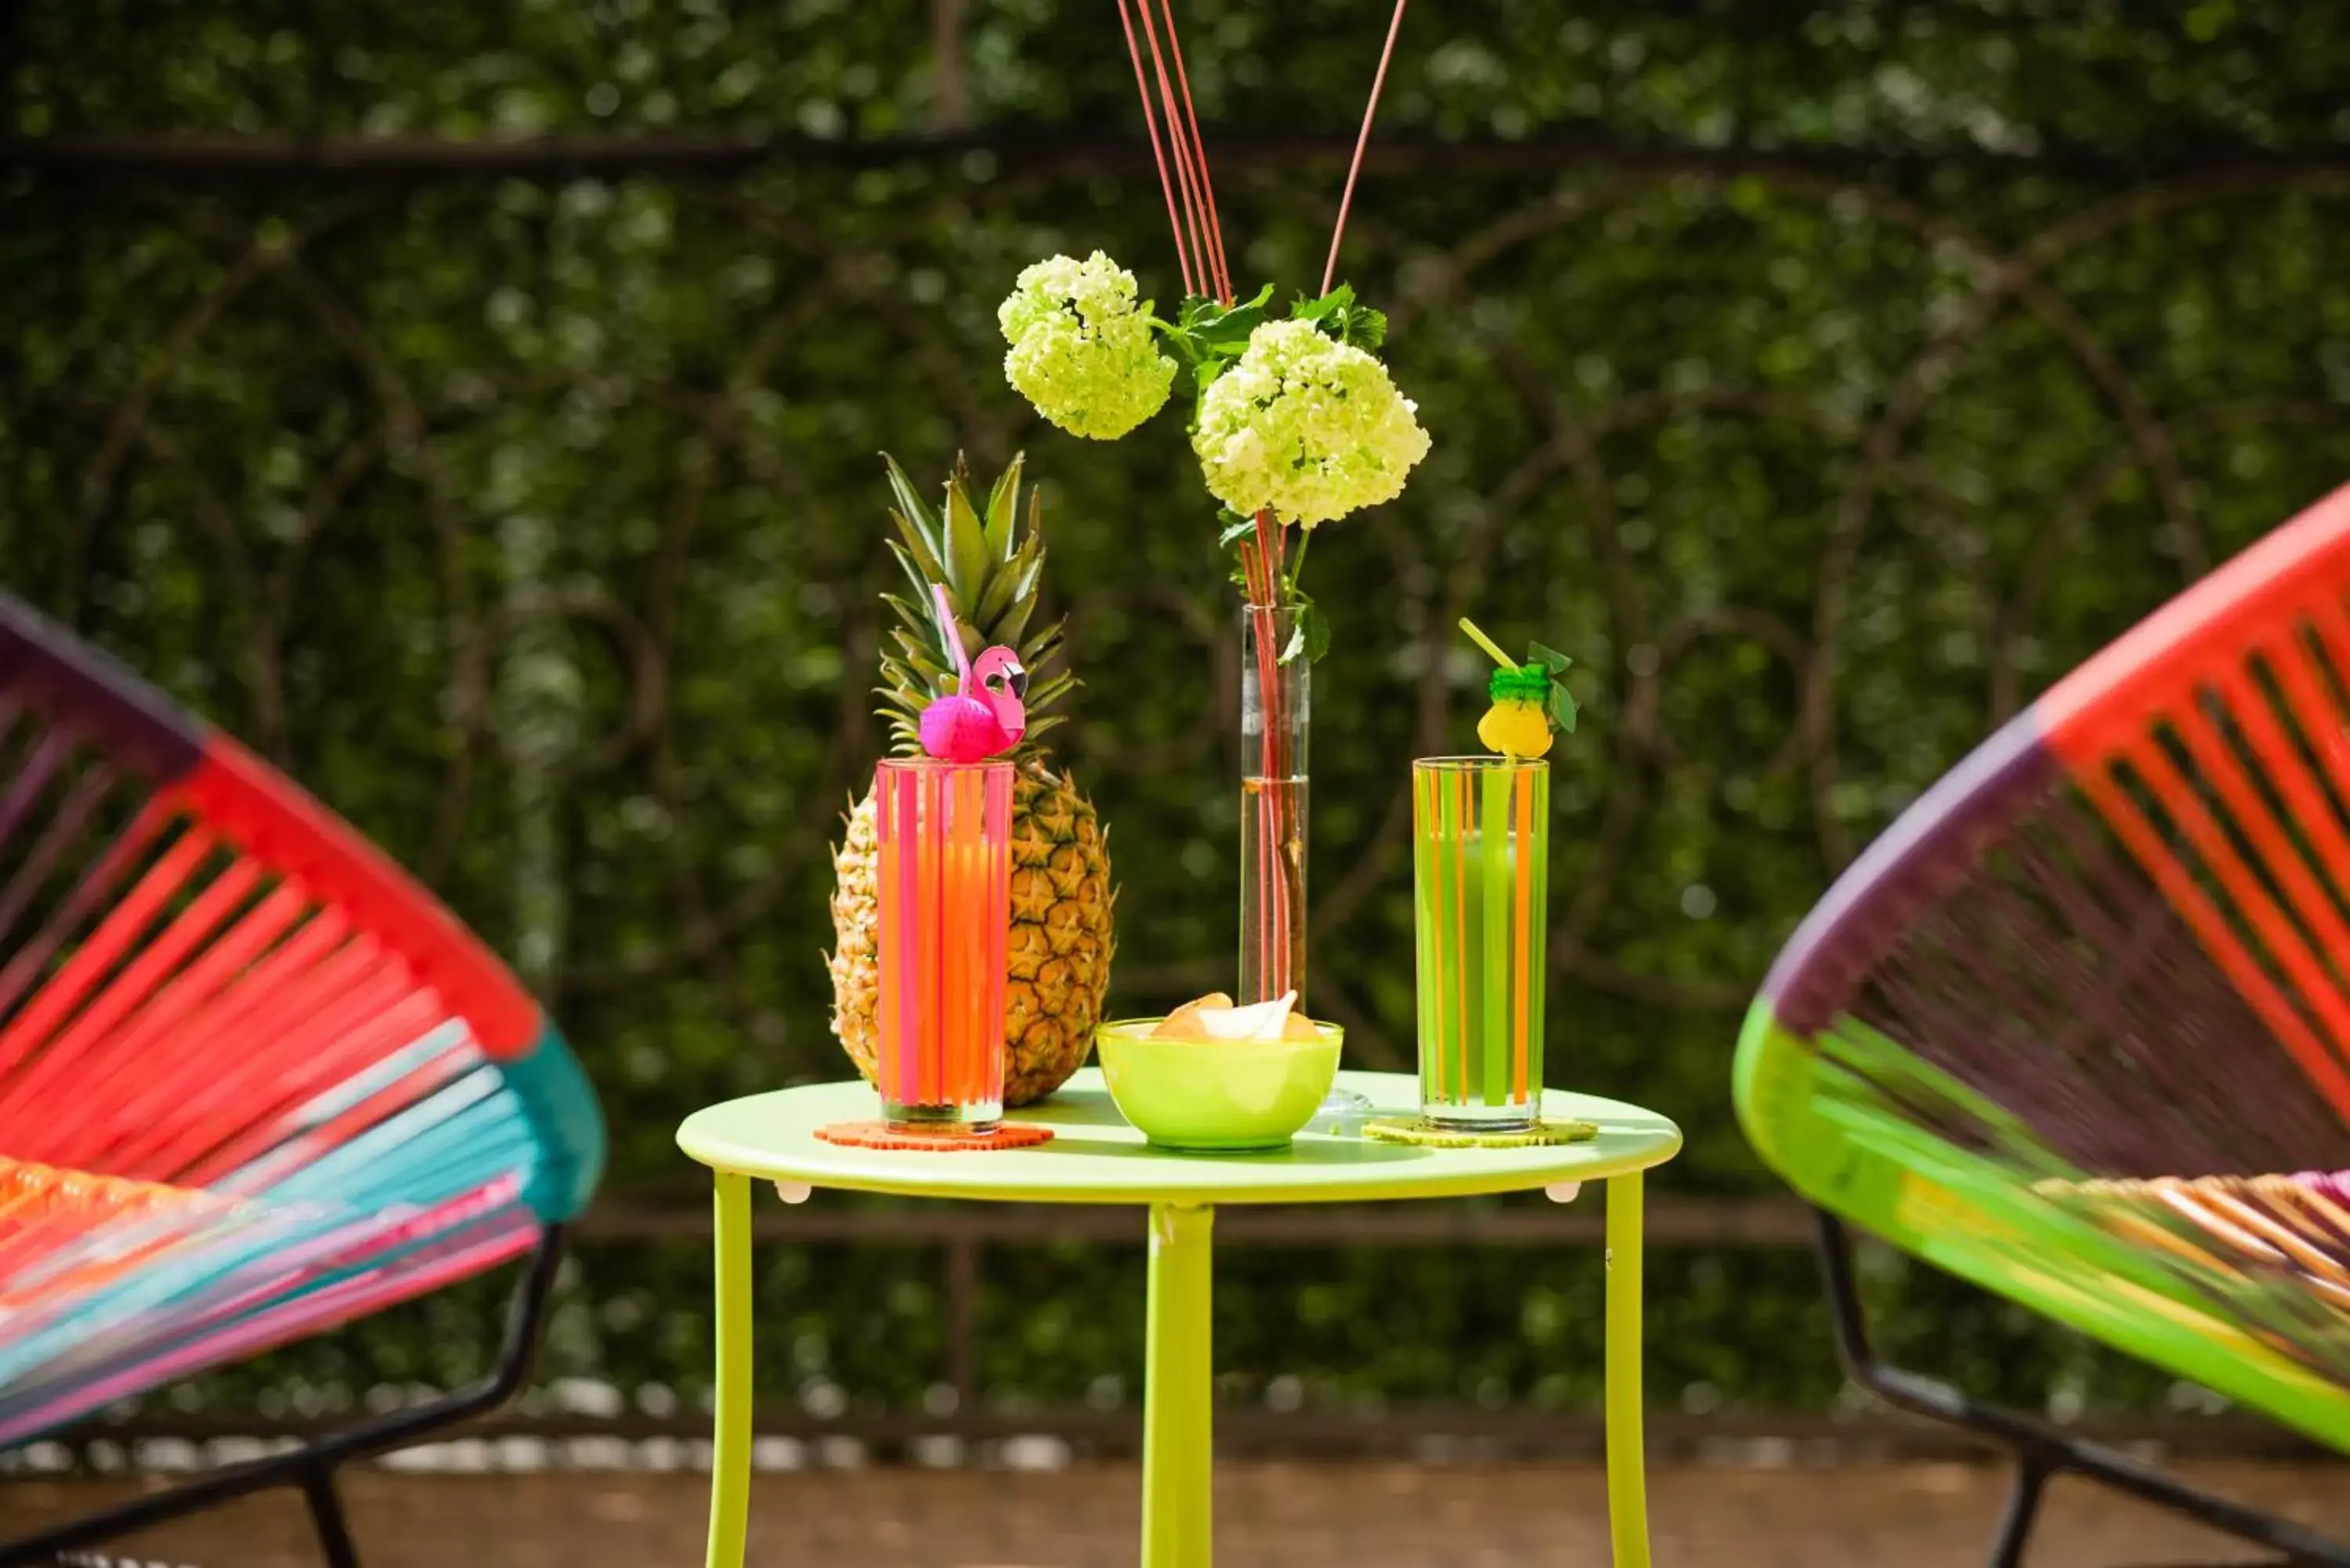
(521, 498)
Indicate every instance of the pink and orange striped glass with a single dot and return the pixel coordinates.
(944, 833)
(1481, 875)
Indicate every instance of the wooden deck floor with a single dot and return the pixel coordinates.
(1268, 1516)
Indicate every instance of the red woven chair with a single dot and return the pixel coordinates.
(254, 1081)
(2077, 1028)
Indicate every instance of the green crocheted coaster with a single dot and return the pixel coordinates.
(1420, 1130)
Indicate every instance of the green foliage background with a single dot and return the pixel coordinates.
(536, 524)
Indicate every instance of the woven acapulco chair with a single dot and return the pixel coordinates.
(2077, 1027)
(254, 1082)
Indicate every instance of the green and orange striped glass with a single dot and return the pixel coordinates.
(944, 834)
(1480, 883)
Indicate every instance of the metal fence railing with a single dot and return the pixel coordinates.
(538, 1433)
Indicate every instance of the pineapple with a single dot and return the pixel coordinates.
(1061, 940)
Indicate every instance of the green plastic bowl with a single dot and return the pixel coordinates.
(1224, 1097)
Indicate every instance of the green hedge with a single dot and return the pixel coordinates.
(535, 523)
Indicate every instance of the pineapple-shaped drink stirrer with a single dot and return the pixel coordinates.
(1529, 700)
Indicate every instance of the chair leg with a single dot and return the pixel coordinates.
(2041, 1452)
(315, 1461)
(326, 1516)
(2022, 1511)
(336, 1548)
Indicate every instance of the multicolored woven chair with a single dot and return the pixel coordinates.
(254, 1081)
(2077, 1027)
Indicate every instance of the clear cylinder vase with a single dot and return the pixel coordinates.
(1277, 717)
(1276, 709)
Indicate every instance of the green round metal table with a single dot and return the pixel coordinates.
(1096, 1157)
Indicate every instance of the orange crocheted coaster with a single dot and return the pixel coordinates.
(881, 1135)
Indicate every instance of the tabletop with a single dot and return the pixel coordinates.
(1095, 1156)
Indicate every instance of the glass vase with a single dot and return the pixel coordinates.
(1276, 707)
(1276, 716)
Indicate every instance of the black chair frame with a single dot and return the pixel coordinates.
(2042, 1452)
(311, 1468)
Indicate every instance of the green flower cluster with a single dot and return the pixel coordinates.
(1082, 350)
(1311, 427)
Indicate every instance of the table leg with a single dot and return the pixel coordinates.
(1627, 1487)
(1178, 1438)
(729, 1454)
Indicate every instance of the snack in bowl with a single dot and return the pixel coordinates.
(1214, 1077)
(1213, 1017)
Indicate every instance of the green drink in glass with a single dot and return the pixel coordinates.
(1480, 883)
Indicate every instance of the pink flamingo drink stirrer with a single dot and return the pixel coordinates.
(983, 717)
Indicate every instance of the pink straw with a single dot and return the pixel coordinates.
(953, 637)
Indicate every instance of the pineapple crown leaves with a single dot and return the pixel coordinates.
(992, 565)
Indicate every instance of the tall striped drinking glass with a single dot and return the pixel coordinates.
(944, 896)
(1480, 884)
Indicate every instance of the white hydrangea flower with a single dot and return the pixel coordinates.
(1306, 425)
(1082, 350)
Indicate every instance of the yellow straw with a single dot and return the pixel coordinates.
(1482, 640)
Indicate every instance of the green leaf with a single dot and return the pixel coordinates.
(1195, 308)
(1309, 637)
(921, 572)
(1236, 527)
(1202, 315)
(1317, 634)
(1207, 336)
(1562, 707)
(924, 546)
(1007, 628)
(1337, 314)
(914, 615)
(1229, 334)
(1017, 581)
(1230, 330)
(913, 514)
(1004, 507)
(1232, 333)
(1550, 658)
(1322, 309)
(966, 546)
(929, 674)
(1045, 693)
(1041, 647)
